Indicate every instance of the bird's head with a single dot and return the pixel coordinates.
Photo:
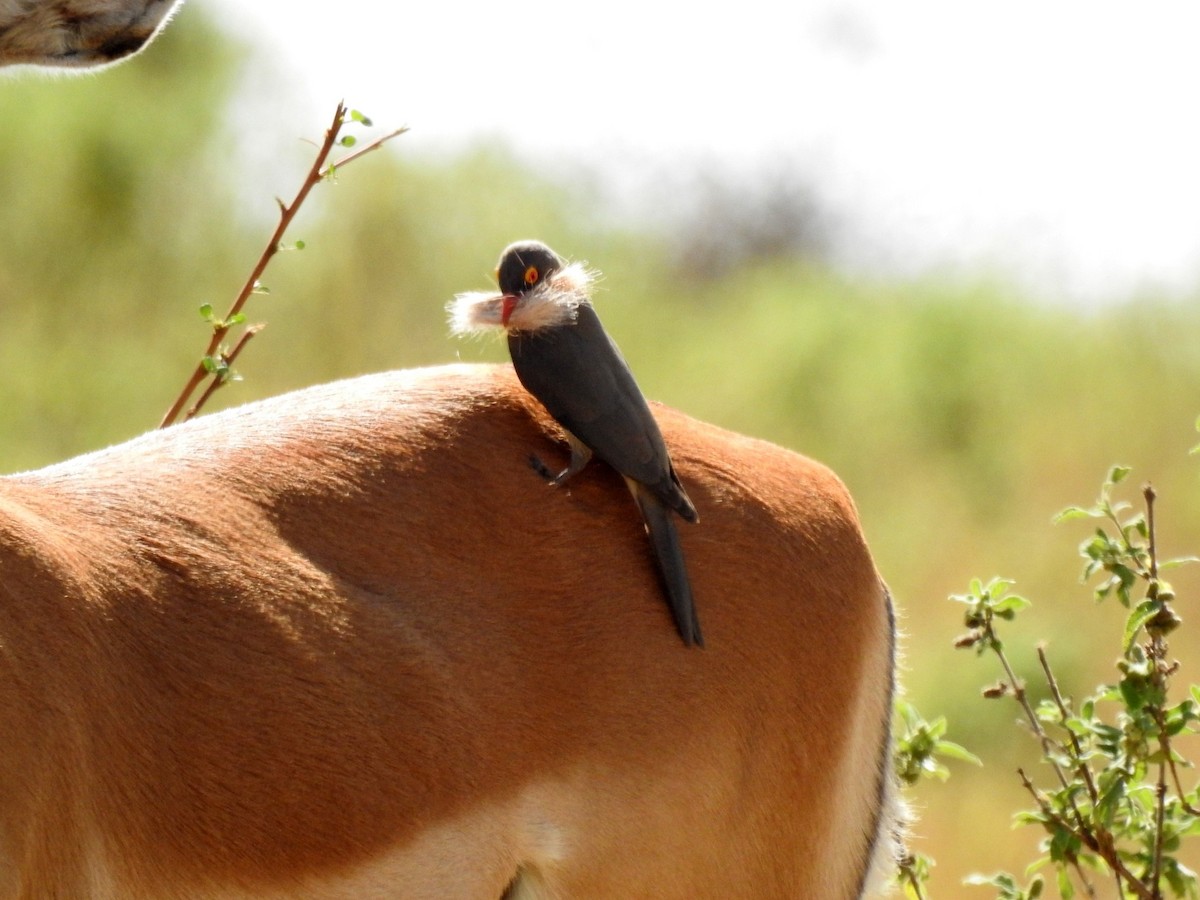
(538, 289)
(524, 267)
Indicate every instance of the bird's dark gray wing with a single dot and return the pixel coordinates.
(579, 375)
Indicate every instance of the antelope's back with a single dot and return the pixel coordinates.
(346, 642)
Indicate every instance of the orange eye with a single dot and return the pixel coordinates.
(532, 275)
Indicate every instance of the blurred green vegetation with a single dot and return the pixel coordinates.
(961, 415)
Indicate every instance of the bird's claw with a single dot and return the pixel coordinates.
(538, 466)
(553, 480)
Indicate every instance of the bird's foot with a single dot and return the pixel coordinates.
(541, 468)
(538, 466)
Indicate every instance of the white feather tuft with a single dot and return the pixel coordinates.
(474, 312)
(552, 303)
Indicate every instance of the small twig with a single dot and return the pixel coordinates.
(1180, 793)
(1098, 844)
(1077, 751)
(1160, 791)
(1083, 835)
(1088, 887)
(317, 172)
(1048, 743)
(910, 876)
(286, 214)
(1158, 649)
(1149, 495)
(362, 151)
(215, 383)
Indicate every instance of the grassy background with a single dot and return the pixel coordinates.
(961, 415)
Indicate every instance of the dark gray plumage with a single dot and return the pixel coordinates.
(577, 372)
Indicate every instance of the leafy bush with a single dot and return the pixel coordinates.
(1115, 806)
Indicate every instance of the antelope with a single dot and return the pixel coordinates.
(345, 643)
(77, 33)
(341, 644)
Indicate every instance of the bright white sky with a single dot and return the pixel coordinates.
(1057, 142)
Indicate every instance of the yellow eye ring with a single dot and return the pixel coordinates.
(532, 275)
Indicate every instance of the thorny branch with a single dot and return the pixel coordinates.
(317, 172)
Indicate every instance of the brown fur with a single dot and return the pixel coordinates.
(77, 33)
(345, 643)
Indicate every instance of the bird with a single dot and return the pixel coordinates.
(563, 356)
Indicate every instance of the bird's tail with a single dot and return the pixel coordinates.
(669, 555)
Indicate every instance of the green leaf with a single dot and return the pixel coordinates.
(1181, 715)
(1098, 546)
(216, 365)
(1138, 692)
(998, 587)
(1007, 886)
(1072, 512)
(348, 140)
(359, 117)
(1110, 800)
(1180, 877)
(956, 751)
(1064, 846)
(1066, 889)
(206, 312)
(1117, 474)
(1177, 562)
(1136, 620)
(1028, 817)
(1048, 711)
(1011, 604)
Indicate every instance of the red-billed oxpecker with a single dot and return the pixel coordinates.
(564, 358)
